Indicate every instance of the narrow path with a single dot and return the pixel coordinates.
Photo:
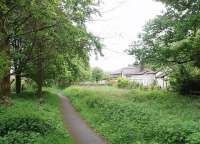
(79, 130)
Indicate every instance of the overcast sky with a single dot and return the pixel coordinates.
(119, 25)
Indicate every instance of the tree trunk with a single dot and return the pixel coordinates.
(17, 65)
(39, 71)
(39, 90)
(18, 83)
(39, 64)
(4, 49)
(5, 90)
(39, 76)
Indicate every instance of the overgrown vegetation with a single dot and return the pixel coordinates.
(186, 79)
(97, 74)
(27, 122)
(139, 117)
(122, 82)
(171, 41)
(128, 84)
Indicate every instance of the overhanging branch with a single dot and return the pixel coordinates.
(36, 30)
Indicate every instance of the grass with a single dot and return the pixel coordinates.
(139, 117)
(28, 122)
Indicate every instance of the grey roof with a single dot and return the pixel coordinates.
(134, 70)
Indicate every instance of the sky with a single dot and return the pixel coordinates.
(118, 26)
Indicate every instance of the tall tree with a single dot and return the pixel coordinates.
(46, 29)
(97, 74)
(168, 39)
(172, 40)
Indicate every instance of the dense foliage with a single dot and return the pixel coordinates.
(28, 122)
(172, 40)
(45, 41)
(185, 79)
(139, 117)
(21, 130)
(97, 74)
(122, 82)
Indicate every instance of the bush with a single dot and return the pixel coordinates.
(20, 130)
(194, 138)
(27, 122)
(177, 133)
(185, 79)
(15, 137)
(122, 82)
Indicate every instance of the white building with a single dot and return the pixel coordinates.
(141, 75)
(161, 79)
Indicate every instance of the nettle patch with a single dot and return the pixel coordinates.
(22, 130)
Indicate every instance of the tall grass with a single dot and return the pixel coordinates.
(26, 121)
(138, 116)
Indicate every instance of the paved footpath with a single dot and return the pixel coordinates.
(79, 130)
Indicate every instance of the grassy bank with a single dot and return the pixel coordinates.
(28, 122)
(139, 117)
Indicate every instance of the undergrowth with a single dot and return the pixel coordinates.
(139, 117)
(27, 121)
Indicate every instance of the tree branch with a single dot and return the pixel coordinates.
(37, 30)
(23, 21)
(11, 9)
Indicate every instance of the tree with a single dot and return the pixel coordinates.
(97, 74)
(168, 39)
(171, 39)
(40, 39)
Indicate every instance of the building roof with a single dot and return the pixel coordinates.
(133, 70)
(161, 74)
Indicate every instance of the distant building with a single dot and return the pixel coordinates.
(141, 75)
(161, 78)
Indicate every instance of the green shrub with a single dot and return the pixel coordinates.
(176, 133)
(185, 79)
(122, 82)
(194, 138)
(20, 130)
(15, 137)
(28, 122)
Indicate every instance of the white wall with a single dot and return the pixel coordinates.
(146, 79)
(161, 82)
